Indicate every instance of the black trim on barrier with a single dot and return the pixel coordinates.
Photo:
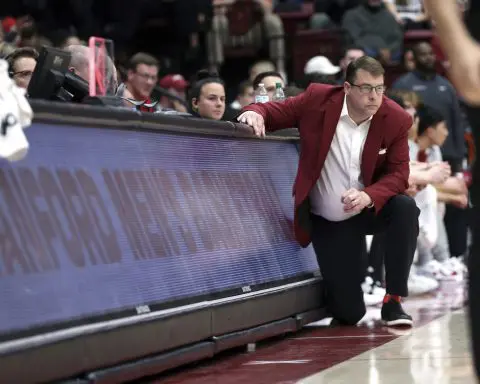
(154, 307)
(126, 119)
(74, 356)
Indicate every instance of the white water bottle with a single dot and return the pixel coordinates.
(279, 95)
(261, 95)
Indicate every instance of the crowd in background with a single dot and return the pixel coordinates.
(207, 58)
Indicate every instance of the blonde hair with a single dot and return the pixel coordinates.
(407, 96)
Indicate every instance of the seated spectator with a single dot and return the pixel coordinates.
(434, 256)
(350, 53)
(410, 101)
(21, 64)
(5, 49)
(373, 27)
(438, 93)
(329, 13)
(142, 76)
(269, 80)
(319, 70)
(322, 66)
(260, 67)
(245, 96)
(409, 13)
(316, 78)
(6, 42)
(80, 65)
(269, 29)
(206, 97)
(176, 85)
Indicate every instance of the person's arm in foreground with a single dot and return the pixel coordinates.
(462, 51)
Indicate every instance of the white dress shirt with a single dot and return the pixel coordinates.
(341, 170)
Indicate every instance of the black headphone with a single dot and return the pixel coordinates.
(8, 59)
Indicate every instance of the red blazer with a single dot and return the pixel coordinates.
(315, 113)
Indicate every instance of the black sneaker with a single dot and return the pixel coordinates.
(393, 314)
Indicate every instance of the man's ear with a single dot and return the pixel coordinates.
(194, 104)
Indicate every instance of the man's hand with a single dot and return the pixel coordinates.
(412, 190)
(254, 120)
(355, 201)
(439, 173)
(460, 201)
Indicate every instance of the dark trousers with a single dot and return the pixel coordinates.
(456, 225)
(339, 250)
(456, 220)
(376, 256)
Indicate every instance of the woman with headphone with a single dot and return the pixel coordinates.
(206, 96)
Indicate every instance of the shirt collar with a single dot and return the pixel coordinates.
(344, 112)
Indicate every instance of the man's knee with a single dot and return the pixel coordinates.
(345, 302)
(349, 316)
(404, 205)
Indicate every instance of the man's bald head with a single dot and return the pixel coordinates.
(80, 66)
(79, 62)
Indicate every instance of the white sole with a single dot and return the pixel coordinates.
(398, 322)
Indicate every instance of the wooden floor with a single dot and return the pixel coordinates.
(436, 350)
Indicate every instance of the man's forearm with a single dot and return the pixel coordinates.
(419, 177)
(462, 51)
(452, 186)
(448, 23)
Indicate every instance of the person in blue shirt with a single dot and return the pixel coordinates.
(438, 93)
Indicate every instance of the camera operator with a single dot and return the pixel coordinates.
(21, 64)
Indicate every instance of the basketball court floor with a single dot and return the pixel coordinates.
(435, 351)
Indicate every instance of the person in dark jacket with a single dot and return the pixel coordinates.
(372, 27)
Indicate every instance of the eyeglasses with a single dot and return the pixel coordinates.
(146, 76)
(367, 88)
(23, 74)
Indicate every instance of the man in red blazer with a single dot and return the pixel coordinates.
(352, 175)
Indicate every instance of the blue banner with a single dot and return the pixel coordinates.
(96, 221)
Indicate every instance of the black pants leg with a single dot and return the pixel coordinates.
(376, 257)
(456, 225)
(338, 246)
(456, 220)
